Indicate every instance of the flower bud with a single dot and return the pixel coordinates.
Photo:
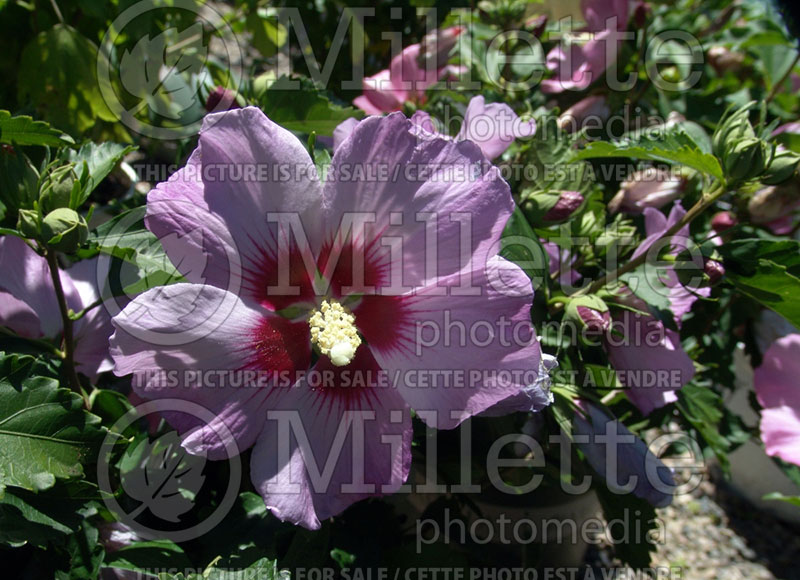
(536, 25)
(535, 204)
(641, 14)
(714, 270)
(734, 126)
(731, 129)
(594, 107)
(745, 159)
(222, 99)
(57, 189)
(724, 60)
(436, 46)
(567, 204)
(28, 223)
(783, 166)
(774, 202)
(722, 221)
(589, 313)
(64, 229)
(649, 188)
(695, 271)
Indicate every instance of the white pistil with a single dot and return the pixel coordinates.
(334, 332)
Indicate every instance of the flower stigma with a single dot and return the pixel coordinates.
(334, 332)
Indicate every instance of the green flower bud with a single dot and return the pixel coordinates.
(783, 166)
(28, 223)
(57, 190)
(745, 159)
(536, 204)
(732, 129)
(64, 229)
(590, 313)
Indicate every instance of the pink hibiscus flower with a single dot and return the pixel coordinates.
(778, 393)
(29, 307)
(358, 298)
(410, 74)
(649, 357)
(578, 65)
(493, 127)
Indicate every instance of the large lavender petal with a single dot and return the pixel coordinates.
(383, 461)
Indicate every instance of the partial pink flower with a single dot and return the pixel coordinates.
(350, 306)
(787, 128)
(560, 264)
(656, 225)
(651, 187)
(493, 127)
(115, 536)
(29, 307)
(774, 207)
(778, 393)
(648, 356)
(592, 109)
(577, 65)
(221, 99)
(534, 397)
(410, 74)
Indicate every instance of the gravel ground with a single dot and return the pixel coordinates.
(714, 534)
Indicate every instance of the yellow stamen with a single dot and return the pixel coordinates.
(334, 332)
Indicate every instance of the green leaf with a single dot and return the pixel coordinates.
(23, 130)
(268, 34)
(635, 549)
(305, 109)
(37, 518)
(767, 271)
(45, 433)
(93, 163)
(125, 237)
(792, 499)
(263, 569)
(744, 255)
(58, 75)
(671, 145)
(85, 554)
(702, 407)
(143, 556)
(521, 245)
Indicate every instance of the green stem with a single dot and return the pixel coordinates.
(81, 313)
(66, 321)
(43, 344)
(57, 11)
(704, 203)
